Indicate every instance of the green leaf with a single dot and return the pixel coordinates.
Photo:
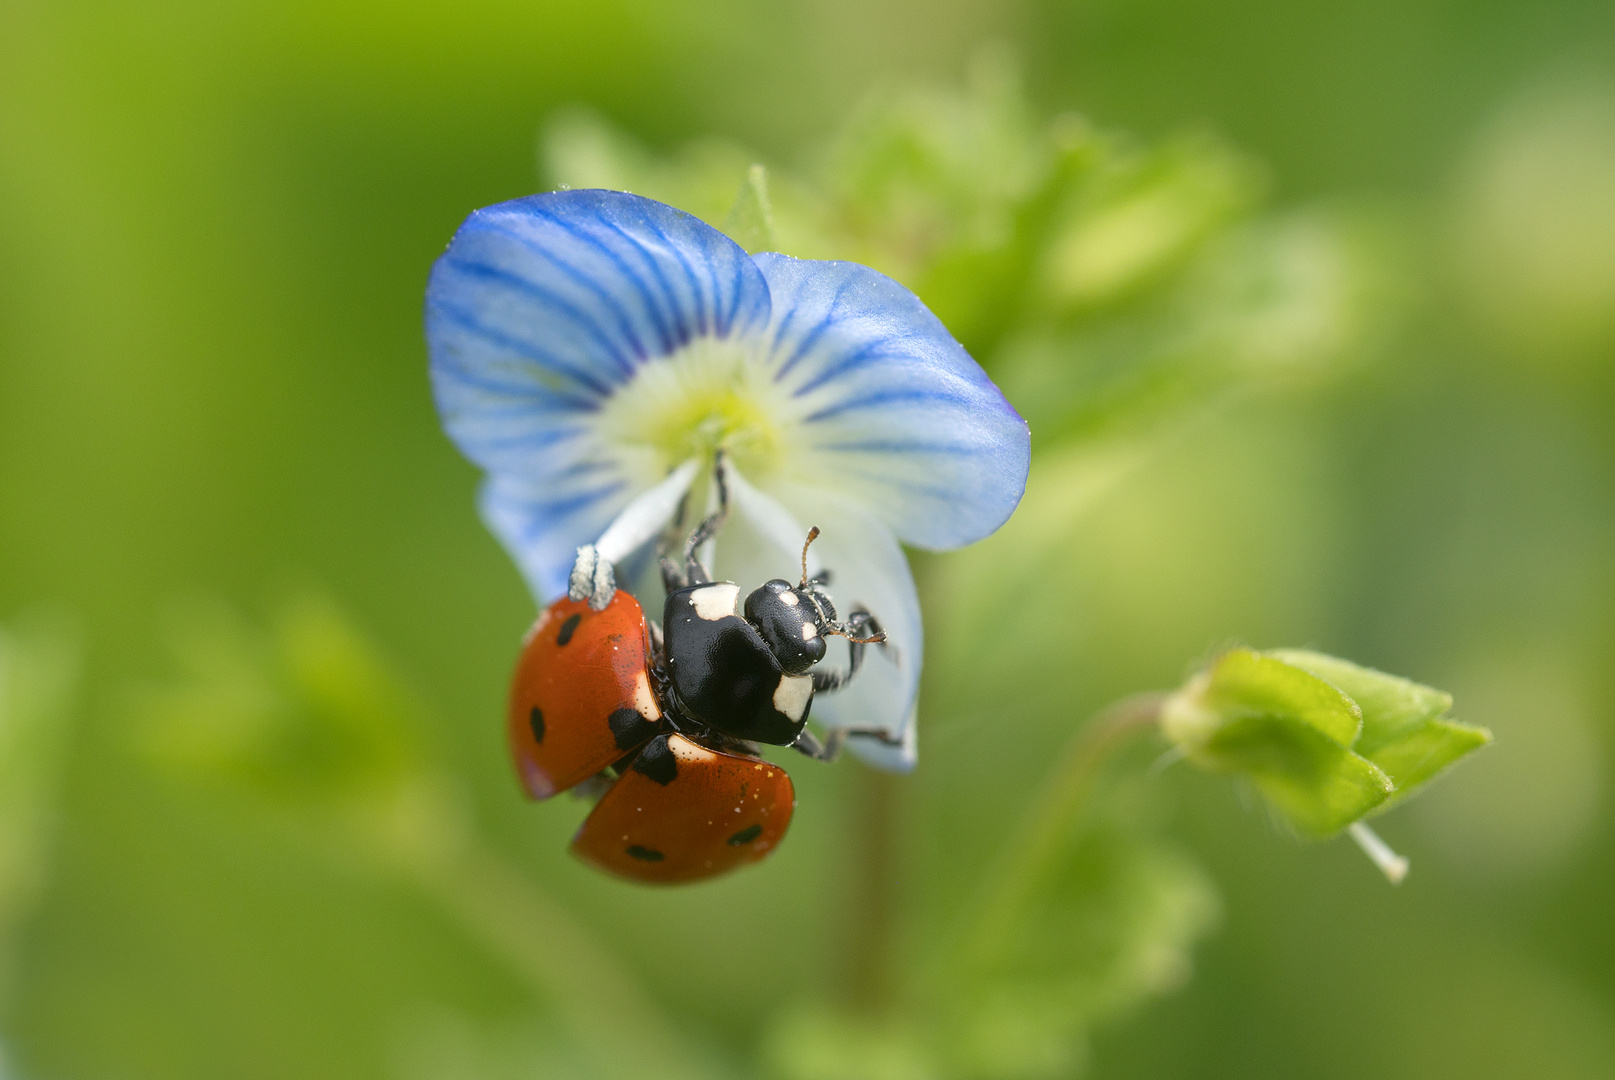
(1326, 741)
(1418, 757)
(1261, 695)
(751, 220)
(1406, 731)
(1286, 729)
(1247, 683)
(1319, 786)
(1391, 706)
(1146, 220)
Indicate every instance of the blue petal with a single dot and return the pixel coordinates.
(543, 526)
(542, 307)
(537, 312)
(895, 413)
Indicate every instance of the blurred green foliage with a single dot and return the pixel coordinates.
(38, 669)
(1101, 281)
(1355, 374)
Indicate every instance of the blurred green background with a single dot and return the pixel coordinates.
(215, 225)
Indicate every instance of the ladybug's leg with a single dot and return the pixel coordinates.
(807, 743)
(694, 572)
(861, 630)
(658, 650)
(672, 577)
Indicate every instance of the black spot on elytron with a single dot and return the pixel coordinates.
(629, 728)
(645, 854)
(535, 720)
(657, 761)
(568, 628)
(746, 835)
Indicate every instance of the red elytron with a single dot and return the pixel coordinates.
(584, 700)
(581, 697)
(683, 812)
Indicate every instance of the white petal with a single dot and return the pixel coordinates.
(773, 523)
(647, 515)
(868, 569)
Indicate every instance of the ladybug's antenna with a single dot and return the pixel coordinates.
(813, 534)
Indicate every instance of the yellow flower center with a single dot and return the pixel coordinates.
(712, 393)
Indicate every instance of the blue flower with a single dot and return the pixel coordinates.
(593, 351)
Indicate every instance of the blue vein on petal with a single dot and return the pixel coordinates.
(537, 291)
(808, 340)
(543, 514)
(886, 397)
(935, 491)
(555, 405)
(455, 369)
(624, 322)
(690, 276)
(902, 446)
(869, 351)
(531, 440)
(525, 350)
(651, 306)
(579, 468)
(681, 332)
(734, 301)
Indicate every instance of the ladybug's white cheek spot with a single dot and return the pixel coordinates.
(716, 601)
(792, 695)
(788, 599)
(644, 700)
(809, 631)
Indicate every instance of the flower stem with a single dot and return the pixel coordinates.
(1050, 816)
(558, 959)
(872, 901)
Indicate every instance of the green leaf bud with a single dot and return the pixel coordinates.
(1289, 731)
(1406, 730)
(1327, 742)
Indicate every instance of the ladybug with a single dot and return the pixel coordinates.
(669, 720)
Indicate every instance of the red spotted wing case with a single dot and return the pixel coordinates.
(684, 812)
(581, 697)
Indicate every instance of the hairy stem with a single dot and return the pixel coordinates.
(872, 902)
(1062, 798)
(604, 1006)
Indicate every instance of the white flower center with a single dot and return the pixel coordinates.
(712, 393)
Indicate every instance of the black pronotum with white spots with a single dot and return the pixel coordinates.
(746, 673)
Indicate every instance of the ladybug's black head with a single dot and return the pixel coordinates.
(790, 622)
